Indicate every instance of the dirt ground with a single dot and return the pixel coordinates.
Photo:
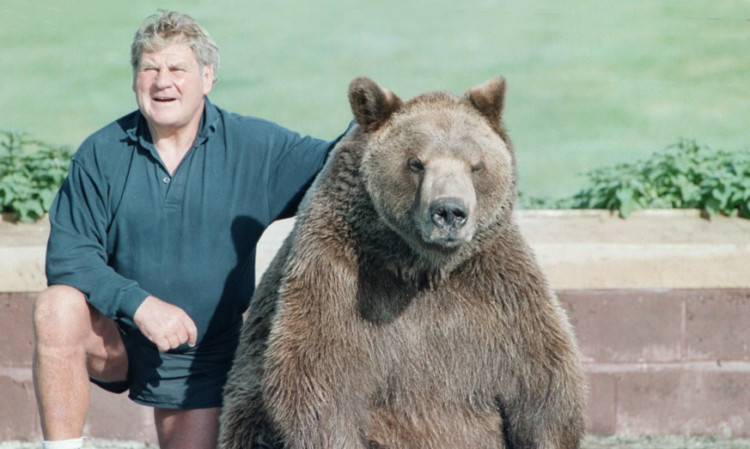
(591, 442)
(664, 442)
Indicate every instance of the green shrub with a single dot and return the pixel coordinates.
(31, 172)
(683, 176)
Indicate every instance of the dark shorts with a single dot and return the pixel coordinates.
(181, 379)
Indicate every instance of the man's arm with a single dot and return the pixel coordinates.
(77, 256)
(297, 161)
(76, 250)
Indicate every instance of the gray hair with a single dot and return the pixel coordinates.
(162, 29)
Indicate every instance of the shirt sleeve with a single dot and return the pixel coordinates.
(76, 250)
(297, 160)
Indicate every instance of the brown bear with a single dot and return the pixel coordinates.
(405, 310)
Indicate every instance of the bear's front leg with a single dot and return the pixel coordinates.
(542, 407)
(316, 382)
(244, 422)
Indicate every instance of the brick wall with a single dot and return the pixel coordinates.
(657, 362)
(665, 361)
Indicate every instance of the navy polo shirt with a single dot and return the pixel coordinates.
(122, 227)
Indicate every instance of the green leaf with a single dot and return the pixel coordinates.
(684, 175)
(31, 172)
(712, 206)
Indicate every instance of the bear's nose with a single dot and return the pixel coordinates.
(449, 213)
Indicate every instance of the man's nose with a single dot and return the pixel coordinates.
(163, 78)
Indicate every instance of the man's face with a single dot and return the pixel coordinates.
(170, 86)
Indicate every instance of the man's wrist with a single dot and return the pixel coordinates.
(131, 300)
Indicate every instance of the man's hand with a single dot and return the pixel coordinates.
(166, 325)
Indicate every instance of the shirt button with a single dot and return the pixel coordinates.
(165, 179)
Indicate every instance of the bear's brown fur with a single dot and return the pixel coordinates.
(406, 310)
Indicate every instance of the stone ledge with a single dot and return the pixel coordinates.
(577, 249)
(649, 249)
(22, 251)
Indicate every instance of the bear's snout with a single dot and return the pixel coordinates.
(447, 203)
(450, 214)
(448, 222)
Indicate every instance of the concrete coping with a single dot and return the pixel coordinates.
(578, 249)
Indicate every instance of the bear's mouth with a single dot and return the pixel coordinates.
(443, 239)
(447, 222)
(439, 234)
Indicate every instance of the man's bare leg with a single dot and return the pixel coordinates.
(72, 342)
(187, 429)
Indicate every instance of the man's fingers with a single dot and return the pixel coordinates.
(162, 344)
(192, 333)
(176, 336)
(188, 330)
(180, 337)
(183, 331)
(167, 342)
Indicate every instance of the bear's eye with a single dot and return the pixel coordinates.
(415, 165)
(479, 166)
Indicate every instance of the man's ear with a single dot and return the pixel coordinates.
(371, 104)
(207, 77)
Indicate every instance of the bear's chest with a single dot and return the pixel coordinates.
(438, 362)
(425, 347)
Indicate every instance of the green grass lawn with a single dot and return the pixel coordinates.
(590, 83)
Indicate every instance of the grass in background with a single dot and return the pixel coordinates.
(590, 83)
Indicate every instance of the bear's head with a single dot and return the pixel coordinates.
(439, 168)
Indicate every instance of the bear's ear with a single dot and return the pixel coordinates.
(489, 98)
(371, 104)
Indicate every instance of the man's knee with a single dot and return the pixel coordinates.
(66, 325)
(59, 312)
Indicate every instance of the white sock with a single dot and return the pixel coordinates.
(75, 443)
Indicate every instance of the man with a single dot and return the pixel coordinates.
(151, 253)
